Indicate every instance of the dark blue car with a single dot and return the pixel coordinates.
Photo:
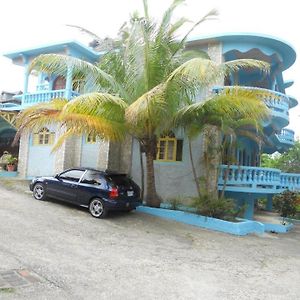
(99, 191)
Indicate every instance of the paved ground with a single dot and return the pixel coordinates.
(137, 256)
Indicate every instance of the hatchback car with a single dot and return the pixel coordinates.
(99, 191)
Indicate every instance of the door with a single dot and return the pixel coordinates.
(91, 185)
(65, 186)
(59, 83)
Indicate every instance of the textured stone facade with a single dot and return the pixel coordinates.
(23, 154)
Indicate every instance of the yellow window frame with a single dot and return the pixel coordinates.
(43, 138)
(91, 138)
(167, 143)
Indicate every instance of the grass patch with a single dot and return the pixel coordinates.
(7, 290)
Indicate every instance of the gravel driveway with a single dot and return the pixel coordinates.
(137, 256)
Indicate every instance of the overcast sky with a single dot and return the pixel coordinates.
(24, 24)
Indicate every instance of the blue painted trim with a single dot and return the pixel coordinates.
(279, 228)
(54, 47)
(243, 227)
(240, 228)
(8, 174)
(285, 49)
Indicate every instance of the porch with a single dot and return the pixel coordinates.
(247, 184)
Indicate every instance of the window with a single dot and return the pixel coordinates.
(43, 137)
(91, 138)
(73, 175)
(78, 85)
(169, 148)
(93, 177)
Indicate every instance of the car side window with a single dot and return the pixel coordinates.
(93, 177)
(72, 175)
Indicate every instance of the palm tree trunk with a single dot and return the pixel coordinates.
(212, 145)
(151, 195)
(194, 169)
(142, 174)
(225, 180)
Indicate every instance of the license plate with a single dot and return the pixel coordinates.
(129, 193)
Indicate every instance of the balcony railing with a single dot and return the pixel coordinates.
(286, 136)
(256, 179)
(277, 102)
(290, 181)
(29, 99)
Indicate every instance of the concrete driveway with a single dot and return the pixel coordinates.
(70, 255)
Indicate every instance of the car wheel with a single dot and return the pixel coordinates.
(39, 192)
(97, 208)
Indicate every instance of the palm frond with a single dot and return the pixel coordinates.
(238, 64)
(60, 64)
(85, 31)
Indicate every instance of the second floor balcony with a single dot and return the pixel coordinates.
(277, 102)
(286, 136)
(41, 96)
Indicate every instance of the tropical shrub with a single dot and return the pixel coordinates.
(220, 208)
(286, 203)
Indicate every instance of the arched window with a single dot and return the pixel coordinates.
(43, 137)
(169, 148)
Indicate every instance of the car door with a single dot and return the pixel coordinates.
(66, 185)
(91, 185)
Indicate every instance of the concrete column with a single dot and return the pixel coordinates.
(26, 79)
(249, 209)
(103, 156)
(23, 154)
(69, 82)
(269, 204)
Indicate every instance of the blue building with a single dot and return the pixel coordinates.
(246, 180)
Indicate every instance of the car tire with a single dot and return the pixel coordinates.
(97, 208)
(39, 192)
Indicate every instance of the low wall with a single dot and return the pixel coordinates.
(8, 174)
(237, 228)
(243, 227)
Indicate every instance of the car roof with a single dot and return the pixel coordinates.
(106, 172)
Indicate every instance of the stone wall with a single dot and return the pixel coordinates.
(23, 154)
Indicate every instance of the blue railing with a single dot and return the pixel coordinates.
(256, 179)
(286, 136)
(44, 96)
(290, 181)
(277, 102)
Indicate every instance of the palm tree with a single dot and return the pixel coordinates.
(227, 115)
(136, 89)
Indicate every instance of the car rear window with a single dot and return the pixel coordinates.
(120, 180)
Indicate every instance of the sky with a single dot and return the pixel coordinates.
(30, 23)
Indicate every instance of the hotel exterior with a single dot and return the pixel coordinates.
(246, 181)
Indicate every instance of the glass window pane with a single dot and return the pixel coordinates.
(73, 175)
(170, 150)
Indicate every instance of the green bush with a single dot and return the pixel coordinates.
(286, 203)
(174, 203)
(220, 208)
